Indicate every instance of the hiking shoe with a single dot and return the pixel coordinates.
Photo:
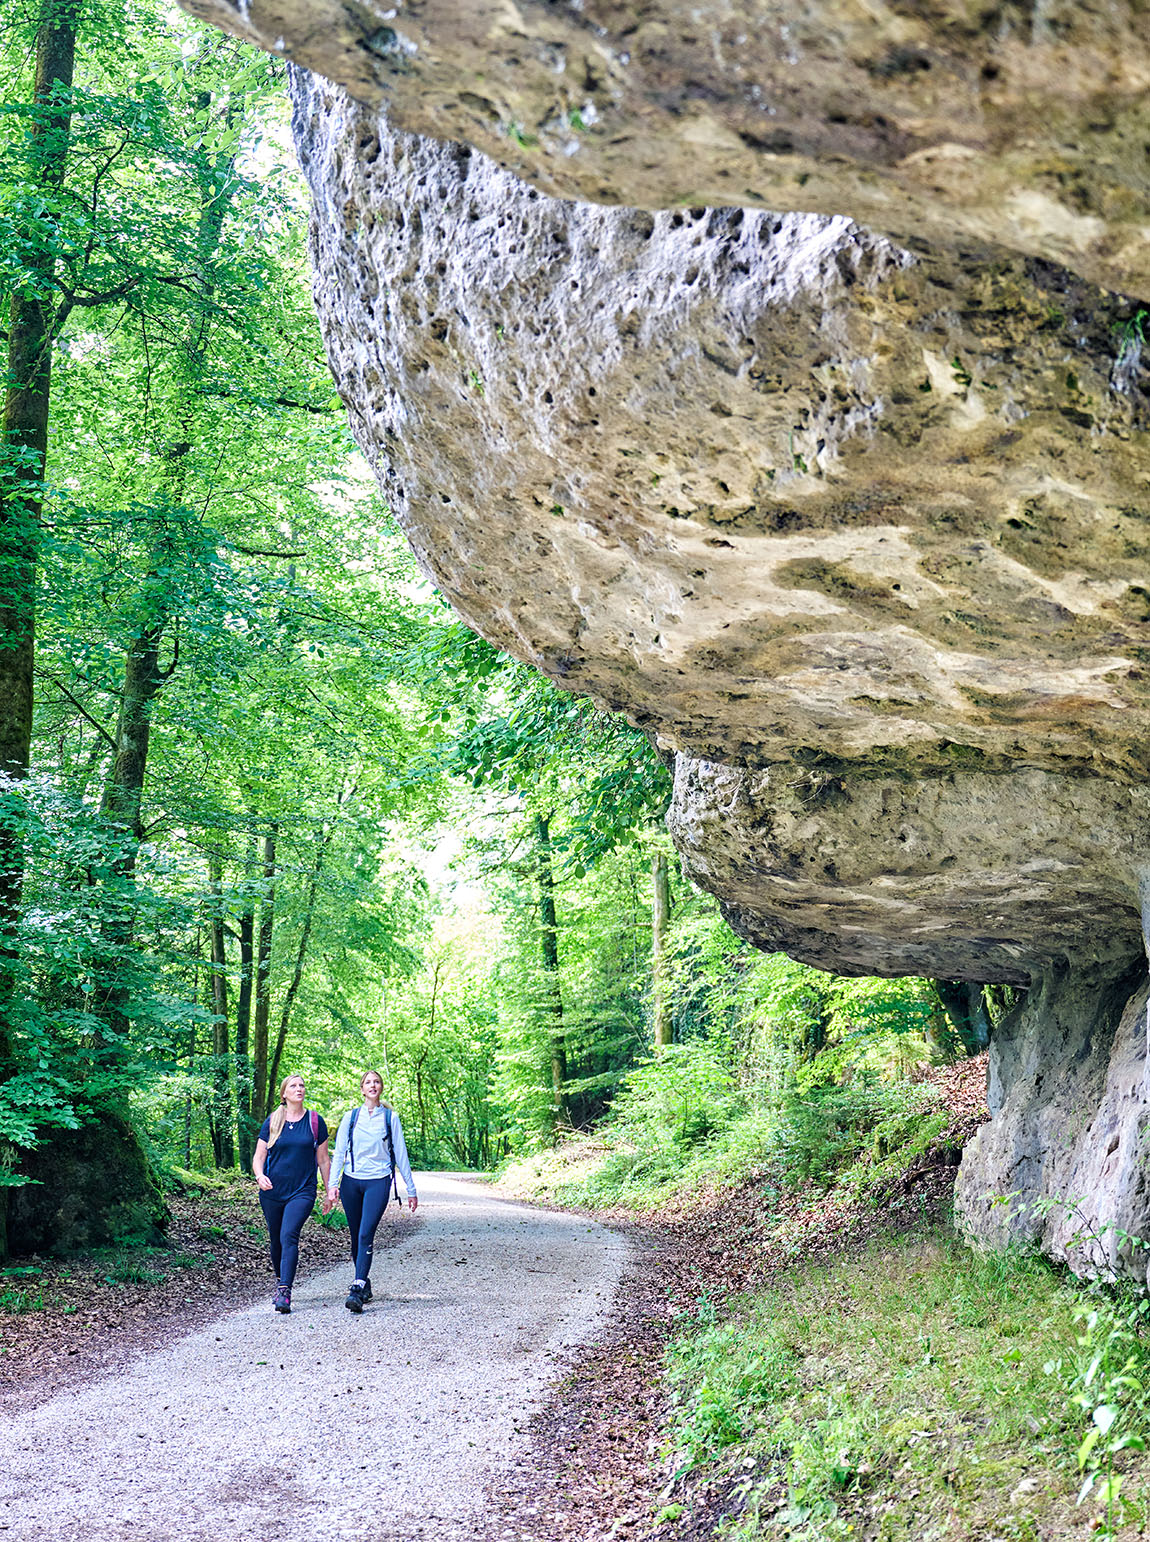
(366, 1292)
(282, 1300)
(354, 1302)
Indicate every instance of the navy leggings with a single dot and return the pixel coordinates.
(364, 1200)
(285, 1218)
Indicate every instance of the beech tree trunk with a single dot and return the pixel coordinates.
(300, 958)
(223, 1145)
(262, 1094)
(965, 1005)
(122, 805)
(660, 919)
(245, 1082)
(23, 463)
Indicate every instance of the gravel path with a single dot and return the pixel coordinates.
(239, 1430)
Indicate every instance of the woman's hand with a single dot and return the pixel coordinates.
(413, 1203)
(263, 1180)
(329, 1200)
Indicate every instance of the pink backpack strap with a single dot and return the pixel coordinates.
(314, 1117)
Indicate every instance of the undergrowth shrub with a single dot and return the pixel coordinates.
(666, 1124)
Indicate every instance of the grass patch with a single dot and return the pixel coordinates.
(126, 1271)
(918, 1390)
(21, 1299)
(142, 1266)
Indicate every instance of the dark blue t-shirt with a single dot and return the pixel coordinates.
(291, 1162)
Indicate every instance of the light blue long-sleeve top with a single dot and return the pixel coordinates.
(371, 1154)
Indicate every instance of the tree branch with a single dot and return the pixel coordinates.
(256, 401)
(80, 708)
(259, 551)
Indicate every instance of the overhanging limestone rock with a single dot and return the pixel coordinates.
(1020, 125)
(964, 874)
(787, 494)
(856, 530)
(764, 482)
(854, 526)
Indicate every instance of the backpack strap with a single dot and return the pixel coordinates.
(314, 1119)
(393, 1181)
(351, 1135)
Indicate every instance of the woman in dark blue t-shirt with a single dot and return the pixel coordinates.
(292, 1144)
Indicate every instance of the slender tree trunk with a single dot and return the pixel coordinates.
(221, 1051)
(191, 1061)
(122, 805)
(246, 925)
(261, 1093)
(300, 957)
(23, 463)
(549, 938)
(660, 919)
(419, 1101)
(123, 798)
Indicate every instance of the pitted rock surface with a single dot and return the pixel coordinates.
(787, 494)
(961, 875)
(1021, 125)
(764, 482)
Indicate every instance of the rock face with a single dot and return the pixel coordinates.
(1023, 125)
(855, 529)
(1062, 1163)
(93, 1187)
(958, 874)
(850, 519)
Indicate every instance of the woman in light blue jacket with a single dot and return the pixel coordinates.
(369, 1150)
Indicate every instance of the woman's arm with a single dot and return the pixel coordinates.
(332, 1176)
(399, 1146)
(258, 1159)
(323, 1157)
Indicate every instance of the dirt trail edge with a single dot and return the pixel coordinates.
(385, 1426)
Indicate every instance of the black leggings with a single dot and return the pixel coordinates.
(285, 1218)
(364, 1200)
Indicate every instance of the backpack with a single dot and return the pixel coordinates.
(392, 1181)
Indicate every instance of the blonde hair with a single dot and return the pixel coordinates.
(279, 1115)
